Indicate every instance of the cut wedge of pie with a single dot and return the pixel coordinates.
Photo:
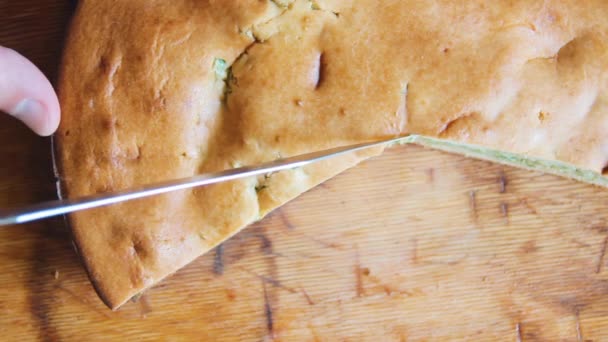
(155, 90)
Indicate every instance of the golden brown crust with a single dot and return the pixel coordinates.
(142, 103)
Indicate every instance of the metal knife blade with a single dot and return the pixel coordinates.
(66, 206)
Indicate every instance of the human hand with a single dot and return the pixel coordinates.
(26, 93)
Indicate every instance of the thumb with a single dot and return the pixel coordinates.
(27, 94)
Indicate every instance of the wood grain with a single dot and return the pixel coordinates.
(413, 245)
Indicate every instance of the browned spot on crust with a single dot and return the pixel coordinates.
(160, 102)
(136, 155)
(459, 125)
(108, 123)
(102, 188)
(137, 252)
(140, 248)
(104, 65)
(136, 274)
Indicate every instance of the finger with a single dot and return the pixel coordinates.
(27, 94)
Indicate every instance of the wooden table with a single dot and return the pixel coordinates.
(413, 245)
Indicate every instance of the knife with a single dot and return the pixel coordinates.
(65, 206)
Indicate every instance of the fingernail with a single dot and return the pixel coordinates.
(31, 112)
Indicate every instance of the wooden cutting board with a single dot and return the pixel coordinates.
(413, 245)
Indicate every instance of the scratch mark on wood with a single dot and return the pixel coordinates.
(268, 312)
(40, 298)
(266, 246)
(600, 261)
(332, 245)
(285, 220)
(308, 299)
(504, 209)
(325, 185)
(278, 284)
(358, 274)
(449, 263)
(326, 244)
(387, 290)
(218, 260)
(271, 277)
(415, 218)
(270, 280)
(414, 257)
(144, 306)
(531, 209)
(473, 204)
(529, 247)
(579, 243)
(315, 335)
(573, 304)
(518, 332)
(601, 228)
(81, 300)
(135, 298)
(502, 182)
(430, 173)
(579, 334)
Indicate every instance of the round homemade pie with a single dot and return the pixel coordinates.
(155, 90)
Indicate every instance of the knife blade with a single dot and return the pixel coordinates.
(65, 206)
